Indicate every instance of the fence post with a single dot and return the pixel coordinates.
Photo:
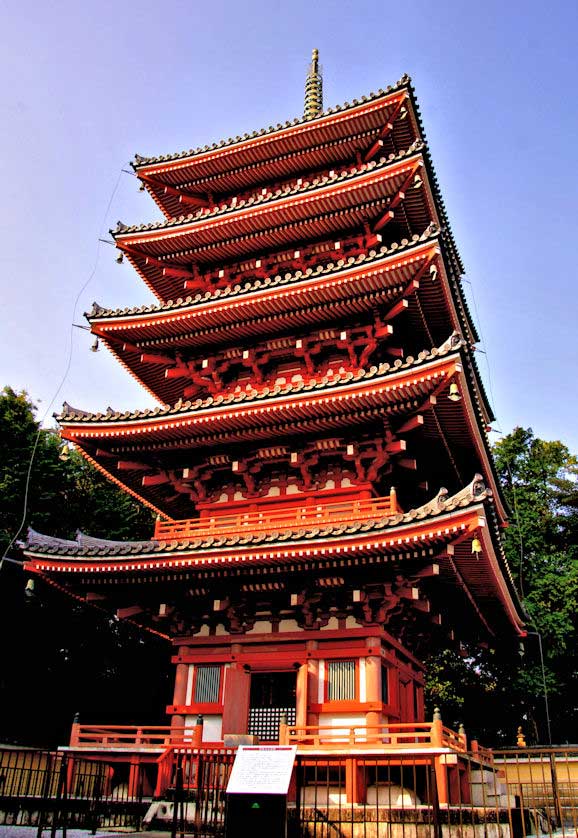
(437, 729)
(283, 730)
(198, 732)
(61, 797)
(46, 784)
(555, 789)
(440, 769)
(462, 737)
(178, 797)
(435, 802)
(75, 730)
(97, 792)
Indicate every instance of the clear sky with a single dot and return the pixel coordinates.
(87, 84)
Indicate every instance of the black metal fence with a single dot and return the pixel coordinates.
(543, 783)
(51, 790)
(366, 797)
(522, 793)
(197, 786)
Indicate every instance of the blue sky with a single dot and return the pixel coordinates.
(86, 85)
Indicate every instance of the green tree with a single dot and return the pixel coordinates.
(61, 495)
(58, 656)
(505, 685)
(539, 481)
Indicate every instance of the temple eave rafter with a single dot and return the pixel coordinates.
(394, 384)
(331, 281)
(334, 191)
(307, 144)
(373, 199)
(443, 532)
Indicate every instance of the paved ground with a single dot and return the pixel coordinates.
(30, 832)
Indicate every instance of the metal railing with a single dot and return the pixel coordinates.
(196, 782)
(53, 790)
(525, 793)
(316, 515)
(544, 783)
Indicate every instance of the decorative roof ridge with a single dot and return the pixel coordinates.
(37, 539)
(260, 199)
(474, 493)
(434, 178)
(452, 344)
(34, 538)
(431, 232)
(85, 540)
(272, 129)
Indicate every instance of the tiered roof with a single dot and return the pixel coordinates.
(441, 529)
(352, 189)
(126, 446)
(142, 337)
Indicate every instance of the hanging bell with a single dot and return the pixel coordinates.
(119, 259)
(454, 395)
(476, 546)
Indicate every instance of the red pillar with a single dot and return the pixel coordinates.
(440, 768)
(354, 781)
(236, 700)
(180, 696)
(133, 777)
(373, 686)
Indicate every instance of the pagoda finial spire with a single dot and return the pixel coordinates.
(313, 88)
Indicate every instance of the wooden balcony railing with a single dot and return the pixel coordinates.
(415, 735)
(316, 515)
(131, 736)
(418, 736)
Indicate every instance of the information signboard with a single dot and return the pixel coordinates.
(262, 769)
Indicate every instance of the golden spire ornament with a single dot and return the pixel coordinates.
(313, 88)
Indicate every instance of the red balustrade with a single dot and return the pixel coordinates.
(315, 515)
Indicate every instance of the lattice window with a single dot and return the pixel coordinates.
(264, 721)
(207, 684)
(341, 681)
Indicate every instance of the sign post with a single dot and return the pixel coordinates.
(257, 791)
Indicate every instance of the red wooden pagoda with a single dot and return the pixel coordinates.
(319, 458)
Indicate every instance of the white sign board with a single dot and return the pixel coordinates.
(262, 769)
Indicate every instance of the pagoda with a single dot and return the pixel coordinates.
(327, 507)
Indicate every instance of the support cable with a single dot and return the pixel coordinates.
(66, 370)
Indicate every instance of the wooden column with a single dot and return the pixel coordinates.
(236, 700)
(304, 715)
(180, 691)
(133, 777)
(354, 781)
(373, 681)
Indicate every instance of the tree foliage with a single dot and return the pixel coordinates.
(539, 481)
(64, 495)
(59, 656)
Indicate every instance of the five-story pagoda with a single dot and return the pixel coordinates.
(319, 461)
